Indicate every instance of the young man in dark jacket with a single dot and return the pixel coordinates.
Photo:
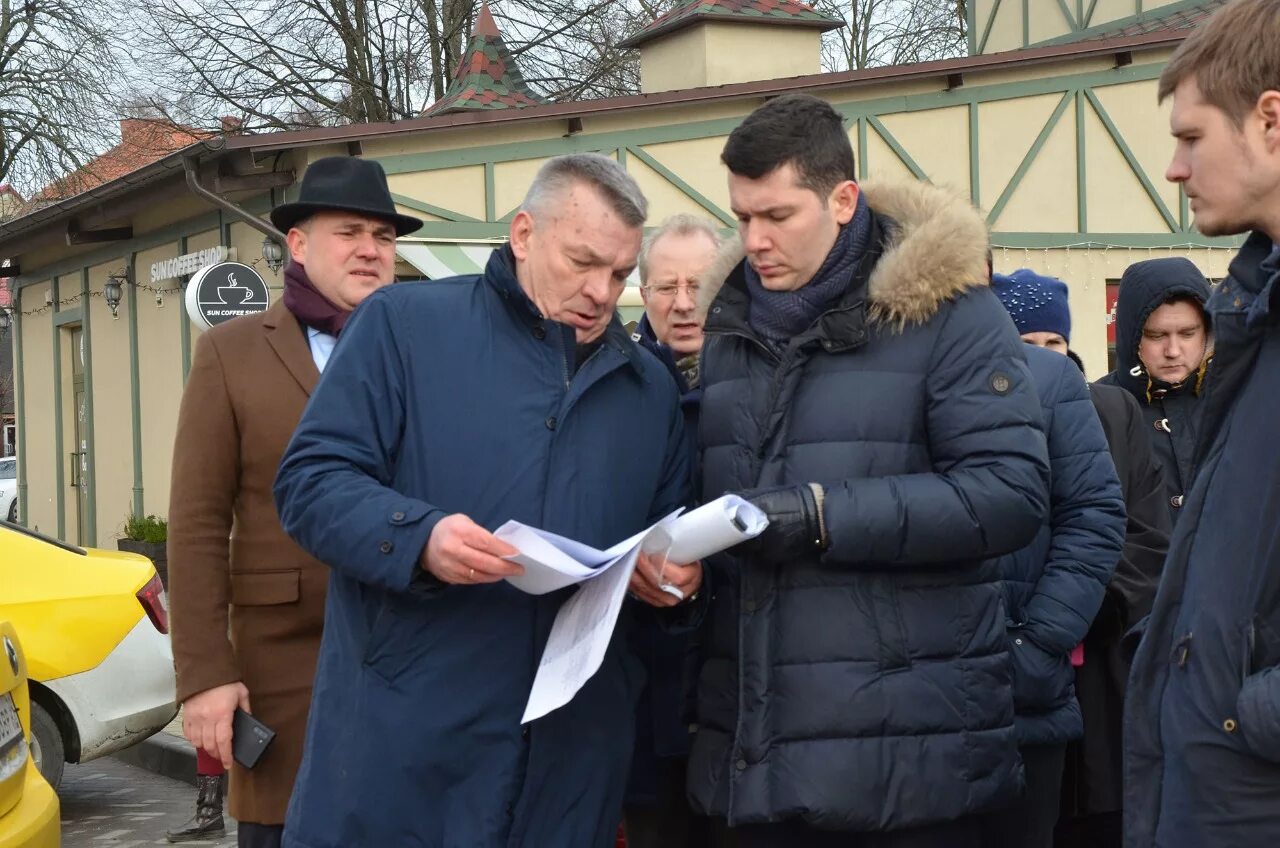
(1202, 725)
(1055, 585)
(864, 387)
(1162, 343)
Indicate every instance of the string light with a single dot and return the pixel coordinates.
(40, 310)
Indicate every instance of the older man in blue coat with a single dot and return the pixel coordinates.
(1202, 719)
(448, 408)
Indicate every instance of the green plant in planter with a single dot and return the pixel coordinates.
(148, 528)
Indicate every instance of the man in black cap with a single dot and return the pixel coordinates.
(232, 563)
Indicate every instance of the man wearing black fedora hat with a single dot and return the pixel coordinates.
(248, 603)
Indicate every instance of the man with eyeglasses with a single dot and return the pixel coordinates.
(673, 260)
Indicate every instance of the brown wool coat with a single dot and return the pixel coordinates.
(246, 602)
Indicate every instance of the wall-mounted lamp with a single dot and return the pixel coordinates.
(114, 289)
(272, 253)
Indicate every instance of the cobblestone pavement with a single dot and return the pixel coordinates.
(110, 804)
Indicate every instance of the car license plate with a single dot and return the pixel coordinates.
(13, 748)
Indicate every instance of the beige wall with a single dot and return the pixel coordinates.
(37, 403)
(160, 373)
(713, 54)
(112, 407)
(675, 62)
(1047, 21)
(742, 52)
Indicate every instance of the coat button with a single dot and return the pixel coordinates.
(693, 728)
(742, 765)
(524, 732)
(539, 332)
(397, 516)
(1018, 641)
(1163, 426)
(749, 606)
(551, 422)
(386, 547)
(1176, 501)
(1229, 725)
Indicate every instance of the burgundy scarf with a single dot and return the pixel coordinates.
(311, 308)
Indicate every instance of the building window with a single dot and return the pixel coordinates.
(10, 442)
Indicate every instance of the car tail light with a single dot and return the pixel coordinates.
(152, 598)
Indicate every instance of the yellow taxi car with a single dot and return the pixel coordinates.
(95, 626)
(28, 805)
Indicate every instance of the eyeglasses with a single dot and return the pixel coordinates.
(668, 290)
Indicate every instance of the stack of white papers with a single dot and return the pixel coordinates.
(583, 626)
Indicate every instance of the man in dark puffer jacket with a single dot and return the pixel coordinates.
(1054, 586)
(864, 387)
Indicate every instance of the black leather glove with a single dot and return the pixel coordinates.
(796, 525)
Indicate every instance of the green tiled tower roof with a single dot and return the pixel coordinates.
(487, 76)
(786, 12)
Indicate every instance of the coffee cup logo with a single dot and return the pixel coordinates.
(224, 291)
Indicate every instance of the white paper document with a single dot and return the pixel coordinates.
(584, 625)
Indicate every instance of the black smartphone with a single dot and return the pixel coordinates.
(249, 739)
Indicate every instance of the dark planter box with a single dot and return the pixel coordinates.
(154, 551)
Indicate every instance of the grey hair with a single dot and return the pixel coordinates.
(600, 172)
(682, 224)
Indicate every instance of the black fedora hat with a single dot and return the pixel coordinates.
(343, 184)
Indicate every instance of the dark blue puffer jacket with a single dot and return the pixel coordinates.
(1054, 586)
(1170, 410)
(870, 689)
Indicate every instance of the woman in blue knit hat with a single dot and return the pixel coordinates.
(1091, 785)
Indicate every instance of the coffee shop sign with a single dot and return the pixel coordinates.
(188, 263)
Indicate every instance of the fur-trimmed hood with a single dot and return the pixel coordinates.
(936, 249)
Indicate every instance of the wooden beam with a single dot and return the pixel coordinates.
(75, 235)
(224, 183)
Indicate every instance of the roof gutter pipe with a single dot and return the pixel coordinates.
(189, 164)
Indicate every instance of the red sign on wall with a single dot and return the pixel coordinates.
(1113, 292)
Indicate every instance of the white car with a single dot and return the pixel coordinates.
(9, 488)
(94, 627)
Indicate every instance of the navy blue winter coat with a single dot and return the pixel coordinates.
(1054, 586)
(456, 396)
(662, 725)
(1169, 410)
(869, 688)
(1202, 718)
